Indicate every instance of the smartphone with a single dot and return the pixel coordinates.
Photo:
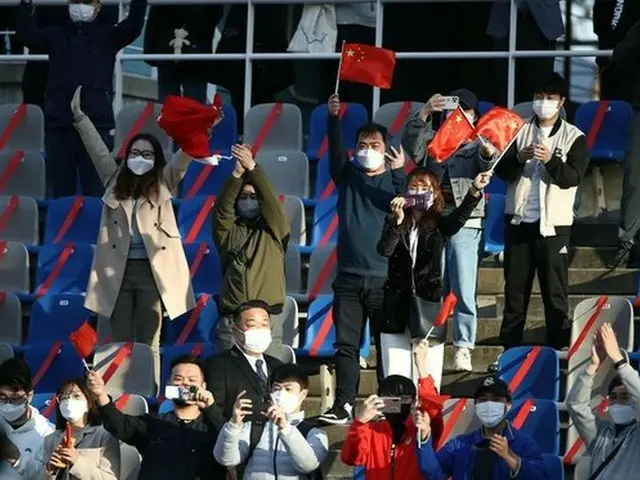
(451, 103)
(391, 404)
(173, 392)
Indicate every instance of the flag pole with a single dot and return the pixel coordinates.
(335, 92)
(515, 137)
(84, 362)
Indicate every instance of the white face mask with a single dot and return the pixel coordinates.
(490, 413)
(73, 410)
(545, 109)
(139, 165)
(287, 401)
(257, 340)
(10, 412)
(370, 159)
(79, 12)
(248, 207)
(622, 414)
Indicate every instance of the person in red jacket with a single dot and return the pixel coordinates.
(387, 448)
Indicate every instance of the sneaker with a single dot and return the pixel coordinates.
(462, 360)
(337, 415)
(493, 367)
(622, 255)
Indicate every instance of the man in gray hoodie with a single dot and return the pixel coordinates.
(613, 446)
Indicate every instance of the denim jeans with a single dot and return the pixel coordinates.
(461, 277)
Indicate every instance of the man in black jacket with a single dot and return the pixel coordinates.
(177, 445)
(81, 51)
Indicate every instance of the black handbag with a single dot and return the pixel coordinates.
(422, 313)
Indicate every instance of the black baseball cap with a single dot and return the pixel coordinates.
(468, 99)
(493, 385)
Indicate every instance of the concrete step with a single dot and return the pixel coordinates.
(579, 257)
(488, 331)
(491, 306)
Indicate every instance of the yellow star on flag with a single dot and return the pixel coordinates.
(350, 53)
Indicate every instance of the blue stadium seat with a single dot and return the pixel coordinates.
(63, 268)
(359, 473)
(202, 179)
(537, 369)
(54, 317)
(554, 468)
(496, 185)
(611, 139)
(324, 186)
(494, 224)
(354, 117)
(42, 402)
(165, 407)
(73, 219)
(325, 224)
(199, 322)
(226, 132)
(207, 276)
(200, 350)
(484, 107)
(64, 363)
(542, 423)
(198, 208)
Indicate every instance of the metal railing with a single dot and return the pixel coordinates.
(250, 56)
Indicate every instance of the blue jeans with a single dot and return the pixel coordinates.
(460, 264)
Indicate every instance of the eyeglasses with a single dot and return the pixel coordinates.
(146, 154)
(75, 396)
(12, 400)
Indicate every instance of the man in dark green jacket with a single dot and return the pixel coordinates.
(251, 232)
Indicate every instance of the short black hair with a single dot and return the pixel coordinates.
(616, 382)
(553, 84)
(248, 305)
(187, 359)
(15, 374)
(397, 386)
(290, 372)
(371, 129)
(8, 450)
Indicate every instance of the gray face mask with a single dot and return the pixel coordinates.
(248, 207)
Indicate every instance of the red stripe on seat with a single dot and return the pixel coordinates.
(15, 119)
(193, 319)
(48, 361)
(8, 212)
(147, 111)
(123, 353)
(68, 221)
(276, 109)
(523, 413)
(201, 217)
(458, 408)
(400, 118)
(122, 401)
(57, 268)
(202, 177)
(603, 106)
(323, 275)
(50, 408)
(196, 351)
(12, 166)
(587, 326)
(324, 145)
(524, 369)
(202, 250)
(325, 328)
(326, 236)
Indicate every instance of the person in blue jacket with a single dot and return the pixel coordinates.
(496, 451)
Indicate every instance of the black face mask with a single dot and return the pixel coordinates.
(399, 418)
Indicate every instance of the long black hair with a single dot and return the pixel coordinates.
(128, 184)
(93, 416)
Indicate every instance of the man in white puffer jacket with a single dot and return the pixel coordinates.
(22, 423)
(286, 449)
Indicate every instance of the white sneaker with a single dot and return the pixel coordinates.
(462, 360)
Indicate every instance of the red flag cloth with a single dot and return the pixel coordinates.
(453, 132)
(68, 436)
(500, 126)
(366, 64)
(446, 310)
(84, 340)
(188, 122)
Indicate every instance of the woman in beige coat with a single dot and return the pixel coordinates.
(139, 263)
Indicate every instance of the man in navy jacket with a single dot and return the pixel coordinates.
(82, 51)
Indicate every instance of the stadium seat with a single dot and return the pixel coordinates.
(51, 364)
(354, 115)
(583, 469)
(165, 407)
(395, 116)
(325, 224)
(610, 138)
(103, 329)
(205, 268)
(202, 179)
(288, 171)
(43, 402)
(132, 373)
(169, 353)
(25, 124)
(293, 269)
(226, 132)
(14, 267)
(459, 418)
(322, 272)
(10, 319)
(540, 420)
(195, 219)
(531, 372)
(130, 461)
(324, 186)
(19, 220)
(63, 268)
(23, 173)
(143, 116)
(359, 473)
(285, 131)
(54, 317)
(73, 219)
(494, 223)
(525, 110)
(289, 320)
(134, 405)
(554, 468)
(195, 326)
(294, 210)
(484, 107)
(6, 352)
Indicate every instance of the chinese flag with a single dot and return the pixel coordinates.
(446, 310)
(366, 64)
(500, 126)
(84, 340)
(453, 132)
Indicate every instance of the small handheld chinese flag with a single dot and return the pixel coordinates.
(67, 436)
(84, 340)
(446, 310)
(453, 132)
(500, 126)
(367, 64)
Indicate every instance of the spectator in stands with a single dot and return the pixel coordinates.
(365, 188)
(181, 29)
(543, 169)
(613, 446)
(455, 176)
(496, 451)
(93, 452)
(385, 443)
(21, 422)
(287, 446)
(139, 265)
(81, 51)
(177, 445)
(9, 455)
(251, 231)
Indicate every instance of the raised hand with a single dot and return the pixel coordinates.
(243, 154)
(202, 399)
(420, 357)
(610, 343)
(397, 209)
(277, 416)
(334, 105)
(76, 107)
(241, 408)
(482, 180)
(370, 409)
(423, 423)
(395, 159)
(434, 104)
(95, 384)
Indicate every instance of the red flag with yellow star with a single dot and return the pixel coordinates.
(500, 126)
(453, 132)
(367, 64)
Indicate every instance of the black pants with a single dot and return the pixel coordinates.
(356, 298)
(67, 157)
(630, 199)
(526, 253)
